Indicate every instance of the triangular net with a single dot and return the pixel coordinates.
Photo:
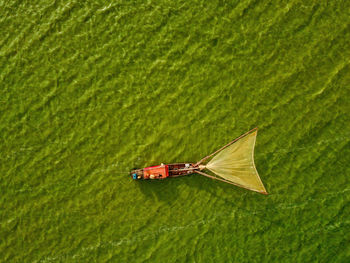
(236, 164)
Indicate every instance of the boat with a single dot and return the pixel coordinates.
(233, 164)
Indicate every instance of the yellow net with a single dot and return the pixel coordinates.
(236, 164)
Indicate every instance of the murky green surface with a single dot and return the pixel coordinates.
(92, 89)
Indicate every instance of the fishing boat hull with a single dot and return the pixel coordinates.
(164, 171)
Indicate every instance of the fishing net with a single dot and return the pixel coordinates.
(236, 164)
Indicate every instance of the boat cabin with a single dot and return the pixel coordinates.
(156, 172)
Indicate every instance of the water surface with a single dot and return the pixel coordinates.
(90, 90)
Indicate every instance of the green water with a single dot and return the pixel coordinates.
(92, 89)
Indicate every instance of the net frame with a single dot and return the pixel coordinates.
(225, 180)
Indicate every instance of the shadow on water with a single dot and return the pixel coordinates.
(165, 190)
(233, 196)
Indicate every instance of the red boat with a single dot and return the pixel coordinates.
(232, 163)
(164, 171)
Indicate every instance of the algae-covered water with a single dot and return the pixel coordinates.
(92, 89)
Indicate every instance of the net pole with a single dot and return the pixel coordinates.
(227, 145)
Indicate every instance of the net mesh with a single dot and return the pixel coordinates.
(236, 164)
